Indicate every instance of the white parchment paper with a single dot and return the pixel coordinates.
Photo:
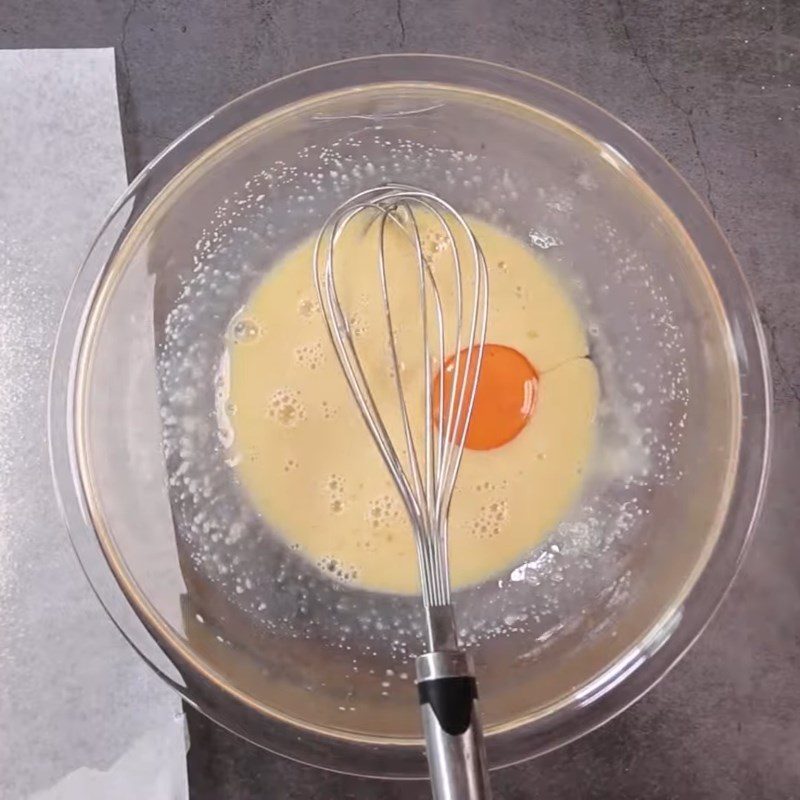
(80, 715)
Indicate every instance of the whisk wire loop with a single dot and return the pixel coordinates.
(427, 480)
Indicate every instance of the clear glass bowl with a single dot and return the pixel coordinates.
(261, 641)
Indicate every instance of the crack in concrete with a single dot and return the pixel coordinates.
(401, 22)
(266, 14)
(702, 162)
(685, 112)
(123, 51)
(783, 370)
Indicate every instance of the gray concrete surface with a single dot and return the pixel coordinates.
(715, 86)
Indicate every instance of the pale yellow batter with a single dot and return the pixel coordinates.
(310, 466)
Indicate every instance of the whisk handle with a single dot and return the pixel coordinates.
(453, 736)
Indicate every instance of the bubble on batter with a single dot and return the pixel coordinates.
(329, 410)
(328, 563)
(310, 355)
(291, 465)
(490, 521)
(367, 542)
(443, 243)
(383, 511)
(357, 325)
(286, 408)
(491, 486)
(434, 242)
(334, 488)
(502, 266)
(308, 308)
(335, 568)
(244, 330)
(335, 483)
(543, 240)
(337, 505)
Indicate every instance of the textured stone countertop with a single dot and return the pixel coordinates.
(715, 86)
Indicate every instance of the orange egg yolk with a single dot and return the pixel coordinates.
(504, 400)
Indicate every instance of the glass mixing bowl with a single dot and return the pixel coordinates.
(242, 626)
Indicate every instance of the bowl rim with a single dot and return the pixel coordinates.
(632, 678)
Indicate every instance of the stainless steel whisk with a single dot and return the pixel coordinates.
(445, 677)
